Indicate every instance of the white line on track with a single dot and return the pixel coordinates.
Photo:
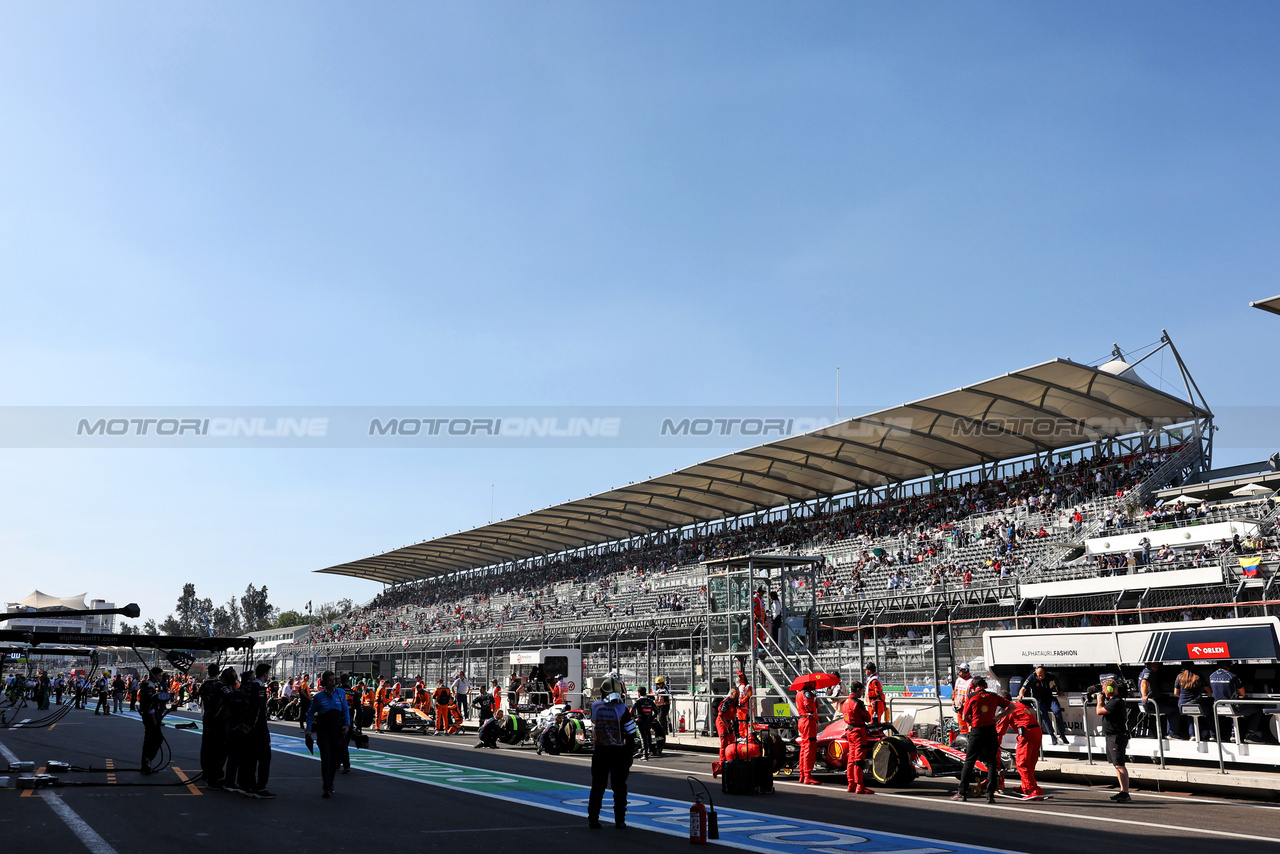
(1023, 810)
(1089, 817)
(86, 834)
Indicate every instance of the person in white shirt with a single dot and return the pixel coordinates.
(460, 686)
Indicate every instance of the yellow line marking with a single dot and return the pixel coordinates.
(183, 777)
(26, 793)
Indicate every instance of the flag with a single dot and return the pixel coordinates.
(1250, 565)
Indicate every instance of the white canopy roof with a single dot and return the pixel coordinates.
(1052, 405)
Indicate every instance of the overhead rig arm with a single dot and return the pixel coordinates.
(131, 641)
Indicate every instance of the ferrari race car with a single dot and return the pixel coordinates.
(892, 759)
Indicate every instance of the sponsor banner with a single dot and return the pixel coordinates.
(742, 829)
(1208, 650)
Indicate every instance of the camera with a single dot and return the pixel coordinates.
(1124, 688)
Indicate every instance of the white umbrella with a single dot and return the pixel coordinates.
(1190, 499)
(1251, 489)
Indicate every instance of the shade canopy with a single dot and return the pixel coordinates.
(1053, 405)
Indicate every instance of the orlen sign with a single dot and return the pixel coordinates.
(1208, 650)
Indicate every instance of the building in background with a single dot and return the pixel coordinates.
(43, 614)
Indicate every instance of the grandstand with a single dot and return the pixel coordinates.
(1021, 501)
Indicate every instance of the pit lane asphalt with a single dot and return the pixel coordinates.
(395, 811)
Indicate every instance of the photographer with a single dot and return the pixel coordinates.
(1116, 730)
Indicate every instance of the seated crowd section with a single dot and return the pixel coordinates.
(985, 533)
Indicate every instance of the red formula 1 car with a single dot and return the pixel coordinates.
(893, 759)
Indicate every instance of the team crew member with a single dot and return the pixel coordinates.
(153, 702)
(613, 684)
(1225, 685)
(1020, 719)
(549, 740)
(255, 757)
(615, 735)
(461, 687)
(421, 697)
(745, 692)
(980, 713)
(646, 713)
(1044, 687)
(484, 707)
(304, 698)
(328, 721)
(491, 731)
(726, 726)
(856, 719)
(807, 710)
(353, 712)
(445, 711)
(960, 693)
(760, 615)
(1116, 730)
(214, 697)
(875, 694)
(662, 699)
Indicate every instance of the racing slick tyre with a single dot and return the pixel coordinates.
(515, 731)
(773, 748)
(395, 719)
(571, 736)
(890, 762)
(366, 716)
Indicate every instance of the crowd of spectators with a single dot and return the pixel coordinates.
(927, 530)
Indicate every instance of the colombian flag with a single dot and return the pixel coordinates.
(1250, 565)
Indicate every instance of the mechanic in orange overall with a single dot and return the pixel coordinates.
(1021, 719)
(807, 712)
(875, 694)
(726, 726)
(421, 697)
(856, 719)
(443, 699)
(745, 692)
(380, 700)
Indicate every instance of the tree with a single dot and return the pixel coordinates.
(170, 626)
(127, 629)
(255, 610)
(329, 612)
(149, 628)
(289, 619)
(188, 611)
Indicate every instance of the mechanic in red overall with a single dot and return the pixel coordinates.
(1021, 719)
(807, 712)
(980, 713)
(726, 726)
(745, 692)
(875, 694)
(856, 719)
(760, 615)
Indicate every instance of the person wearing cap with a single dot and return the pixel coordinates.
(614, 733)
(960, 693)
(1043, 687)
(662, 699)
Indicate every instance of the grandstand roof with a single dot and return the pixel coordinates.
(1272, 305)
(1056, 404)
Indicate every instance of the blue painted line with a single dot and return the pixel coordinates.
(739, 828)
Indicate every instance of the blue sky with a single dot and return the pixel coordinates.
(560, 204)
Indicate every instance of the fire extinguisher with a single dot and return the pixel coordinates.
(682, 722)
(703, 822)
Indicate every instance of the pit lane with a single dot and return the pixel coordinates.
(452, 812)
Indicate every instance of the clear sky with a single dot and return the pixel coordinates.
(572, 204)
